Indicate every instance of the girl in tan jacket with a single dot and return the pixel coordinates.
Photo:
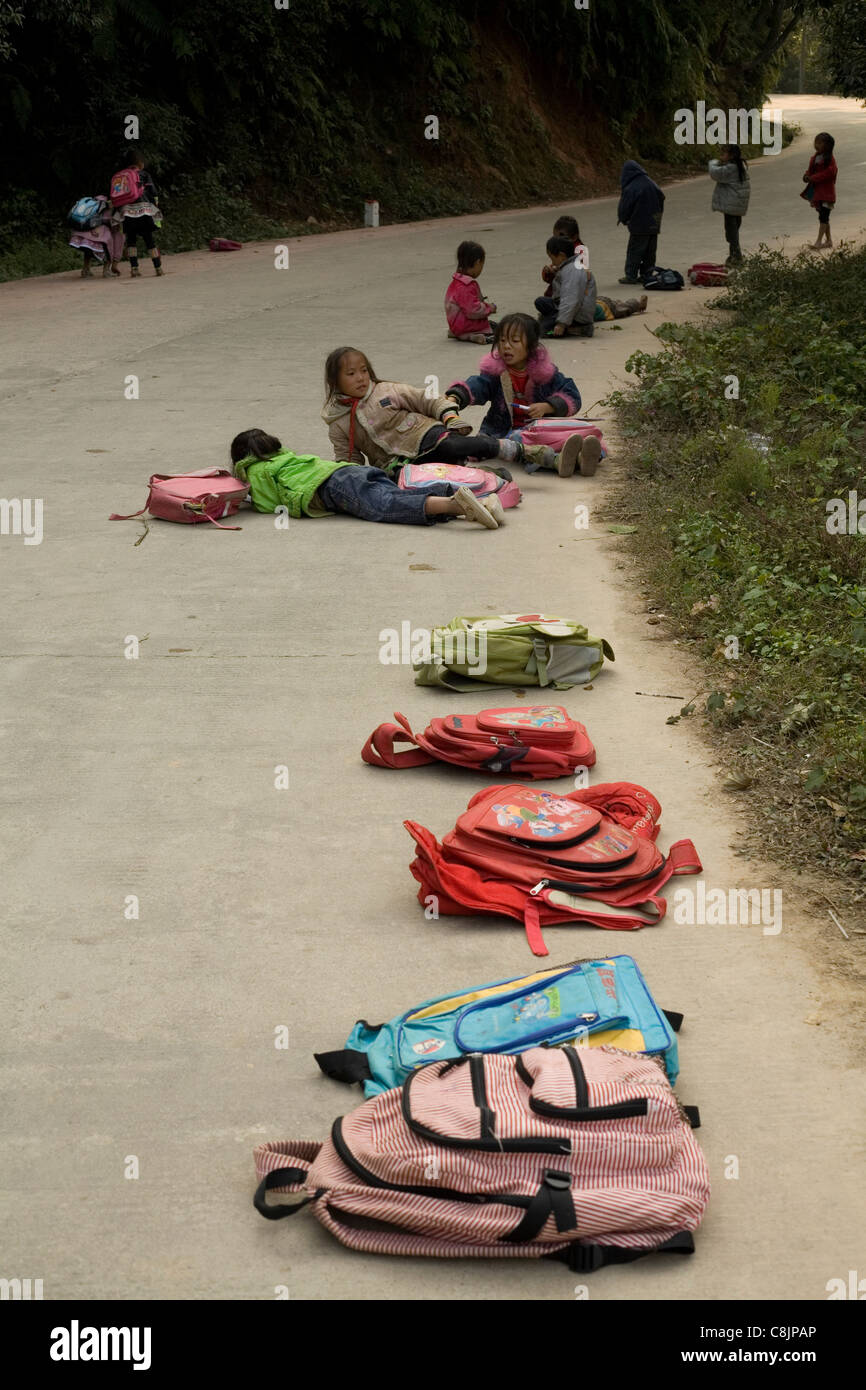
(393, 423)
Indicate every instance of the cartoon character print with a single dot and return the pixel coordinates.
(531, 1006)
(513, 817)
(533, 717)
(560, 806)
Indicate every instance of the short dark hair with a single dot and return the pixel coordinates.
(254, 443)
(567, 226)
(332, 368)
(523, 323)
(827, 140)
(468, 252)
(559, 246)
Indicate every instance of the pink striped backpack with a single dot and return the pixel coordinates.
(188, 497)
(479, 480)
(554, 430)
(579, 1154)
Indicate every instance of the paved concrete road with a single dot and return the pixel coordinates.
(152, 1039)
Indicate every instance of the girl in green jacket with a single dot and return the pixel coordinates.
(310, 486)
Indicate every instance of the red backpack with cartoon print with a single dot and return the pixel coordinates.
(546, 857)
(537, 740)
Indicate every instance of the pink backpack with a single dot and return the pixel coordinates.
(478, 480)
(579, 1154)
(126, 187)
(553, 430)
(532, 740)
(183, 497)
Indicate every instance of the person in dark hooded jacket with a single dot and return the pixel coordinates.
(640, 208)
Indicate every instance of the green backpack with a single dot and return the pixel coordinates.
(511, 649)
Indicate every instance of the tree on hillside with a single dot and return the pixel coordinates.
(844, 27)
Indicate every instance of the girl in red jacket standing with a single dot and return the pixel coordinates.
(821, 191)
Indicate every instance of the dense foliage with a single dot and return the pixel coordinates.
(740, 488)
(253, 116)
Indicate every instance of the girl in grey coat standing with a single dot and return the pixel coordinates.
(730, 173)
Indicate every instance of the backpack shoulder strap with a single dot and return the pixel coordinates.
(379, 750)
(684, 858)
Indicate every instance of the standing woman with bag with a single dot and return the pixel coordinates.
(730, 173)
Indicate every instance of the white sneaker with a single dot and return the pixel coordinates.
(495, 508)
(474, 509)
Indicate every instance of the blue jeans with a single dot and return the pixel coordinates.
(360, 490)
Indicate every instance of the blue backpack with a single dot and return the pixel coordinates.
(86, 213)
(591, 1001)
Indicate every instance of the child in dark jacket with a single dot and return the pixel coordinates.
(520, 384)
(820, 180)
(640, 208)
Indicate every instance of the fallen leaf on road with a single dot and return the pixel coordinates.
(422, 567)
(620, 530)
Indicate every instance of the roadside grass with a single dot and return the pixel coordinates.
(738, 436)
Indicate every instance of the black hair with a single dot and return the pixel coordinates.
(559, 246)
(567, 226)
(828, 141)
(524, 324)
(332, 369)
(133, 156)
(468, 252)
(736, 155)
(256, 443)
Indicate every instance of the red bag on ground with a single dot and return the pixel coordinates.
(221, 243)
(708, 273)
(539, 740)
(545, 857)
(184, 497)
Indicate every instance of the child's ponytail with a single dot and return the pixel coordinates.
(736, 156)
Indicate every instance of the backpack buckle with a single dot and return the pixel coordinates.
(584, 1259)
(560, 1181)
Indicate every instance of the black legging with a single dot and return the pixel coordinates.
(135, 227)
(732, 235)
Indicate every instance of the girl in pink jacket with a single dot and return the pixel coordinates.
(467, 311)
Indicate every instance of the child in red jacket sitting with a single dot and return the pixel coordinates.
(821, 191)
(466, 310)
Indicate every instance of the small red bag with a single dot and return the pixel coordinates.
(182, 497)
(708, 273)
(540, 740)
